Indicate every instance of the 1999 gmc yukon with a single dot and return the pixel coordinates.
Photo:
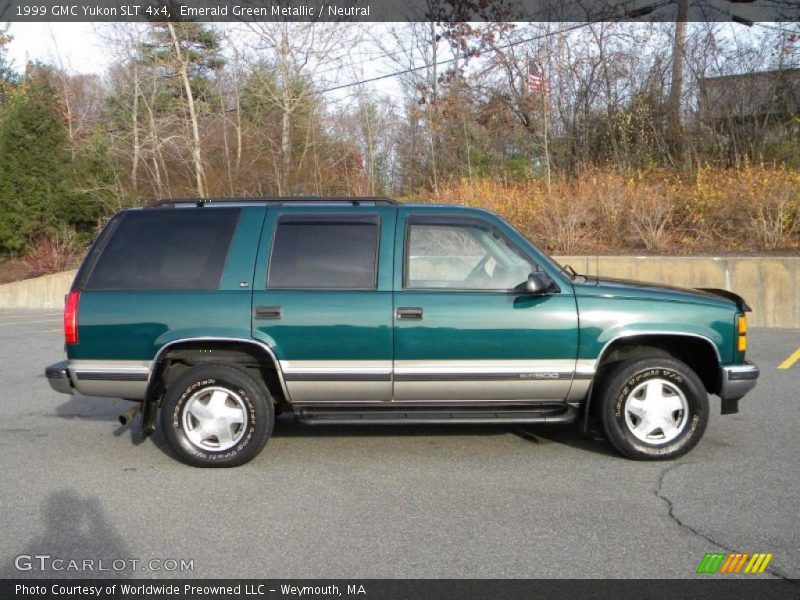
(359, 310)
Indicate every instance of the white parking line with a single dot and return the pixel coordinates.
(29, 322)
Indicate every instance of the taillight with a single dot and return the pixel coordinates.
(71, 317)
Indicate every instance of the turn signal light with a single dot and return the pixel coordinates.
(71, 317)
(742, 324)
(741, 329)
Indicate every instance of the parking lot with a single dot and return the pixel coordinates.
(350, 502)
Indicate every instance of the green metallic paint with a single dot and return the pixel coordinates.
(483, 325)
(576, 322)
(134, 325)
(622, 309)
(243, 249)
(491, 326)
(328, 324)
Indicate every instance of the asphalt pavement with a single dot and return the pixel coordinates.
(370, 501)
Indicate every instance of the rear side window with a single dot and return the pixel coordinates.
(181, 249)
(324, 252)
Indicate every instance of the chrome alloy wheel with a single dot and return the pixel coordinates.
(656, 411)
(215, 419)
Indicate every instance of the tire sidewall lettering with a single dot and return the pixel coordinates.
(183, 439)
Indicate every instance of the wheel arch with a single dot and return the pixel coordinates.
(697, 351)
(177, 355)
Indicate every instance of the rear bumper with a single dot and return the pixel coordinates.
(58, 377)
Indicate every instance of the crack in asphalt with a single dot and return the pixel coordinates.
(685, 526)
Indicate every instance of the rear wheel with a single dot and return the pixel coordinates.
(217, 415)
(653, 408)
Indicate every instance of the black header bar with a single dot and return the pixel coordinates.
(742, 11)
(391, 589)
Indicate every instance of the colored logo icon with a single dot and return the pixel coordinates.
(734, 562)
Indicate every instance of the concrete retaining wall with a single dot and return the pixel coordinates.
(770, 285)
(42, 292)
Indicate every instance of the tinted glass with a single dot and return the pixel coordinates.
(181, 249)
(314, 254)
(465, 257)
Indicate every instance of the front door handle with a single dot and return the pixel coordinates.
(268, 312)
(409, 313)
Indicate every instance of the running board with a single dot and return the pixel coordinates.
(418, 415)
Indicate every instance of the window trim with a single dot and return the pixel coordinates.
(458, 221)
(326, 218)
(101, 243)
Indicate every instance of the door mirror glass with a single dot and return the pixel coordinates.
(540, 282)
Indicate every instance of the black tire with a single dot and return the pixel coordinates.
(239, 393)
(623, 393)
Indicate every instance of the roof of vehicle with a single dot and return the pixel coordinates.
(284, 200)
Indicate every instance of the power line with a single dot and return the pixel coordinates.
(404, 51)
(452, 60)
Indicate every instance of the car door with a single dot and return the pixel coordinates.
(322, 300)
(465, 328)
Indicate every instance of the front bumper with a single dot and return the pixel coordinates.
(58, 377)
(737, 380)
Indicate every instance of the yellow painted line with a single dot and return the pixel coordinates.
(52, 330)
(791, 360)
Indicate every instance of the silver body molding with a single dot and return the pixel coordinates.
(115, 378)
(303, 382)
(58, 377)
(356, 381)
(737, 380)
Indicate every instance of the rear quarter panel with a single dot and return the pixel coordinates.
(134, 325)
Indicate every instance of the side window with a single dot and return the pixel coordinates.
(182, 249)
(324, 252)
(462, 256)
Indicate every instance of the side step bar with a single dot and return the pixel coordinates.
(418, 415)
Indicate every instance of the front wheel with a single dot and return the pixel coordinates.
(653, 408)
(217, 415)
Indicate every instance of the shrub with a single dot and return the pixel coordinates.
(53, 253)
(753, 208)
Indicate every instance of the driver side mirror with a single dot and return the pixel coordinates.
(539, 283)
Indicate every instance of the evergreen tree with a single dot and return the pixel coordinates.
(38, 181)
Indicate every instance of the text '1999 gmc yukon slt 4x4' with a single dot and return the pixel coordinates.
(223, 313)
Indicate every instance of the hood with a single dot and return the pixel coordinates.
(627, 288)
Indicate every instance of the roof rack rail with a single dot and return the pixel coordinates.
(353, 200)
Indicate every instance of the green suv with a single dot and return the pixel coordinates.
(224, 313)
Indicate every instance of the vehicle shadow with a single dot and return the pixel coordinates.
(75, 528)
(101, 409)
(287, 426)
(592, 441)
(92, 408)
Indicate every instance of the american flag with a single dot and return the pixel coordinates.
(537, 82)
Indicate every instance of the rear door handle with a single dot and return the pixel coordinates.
(268, 312)
(409, 313)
